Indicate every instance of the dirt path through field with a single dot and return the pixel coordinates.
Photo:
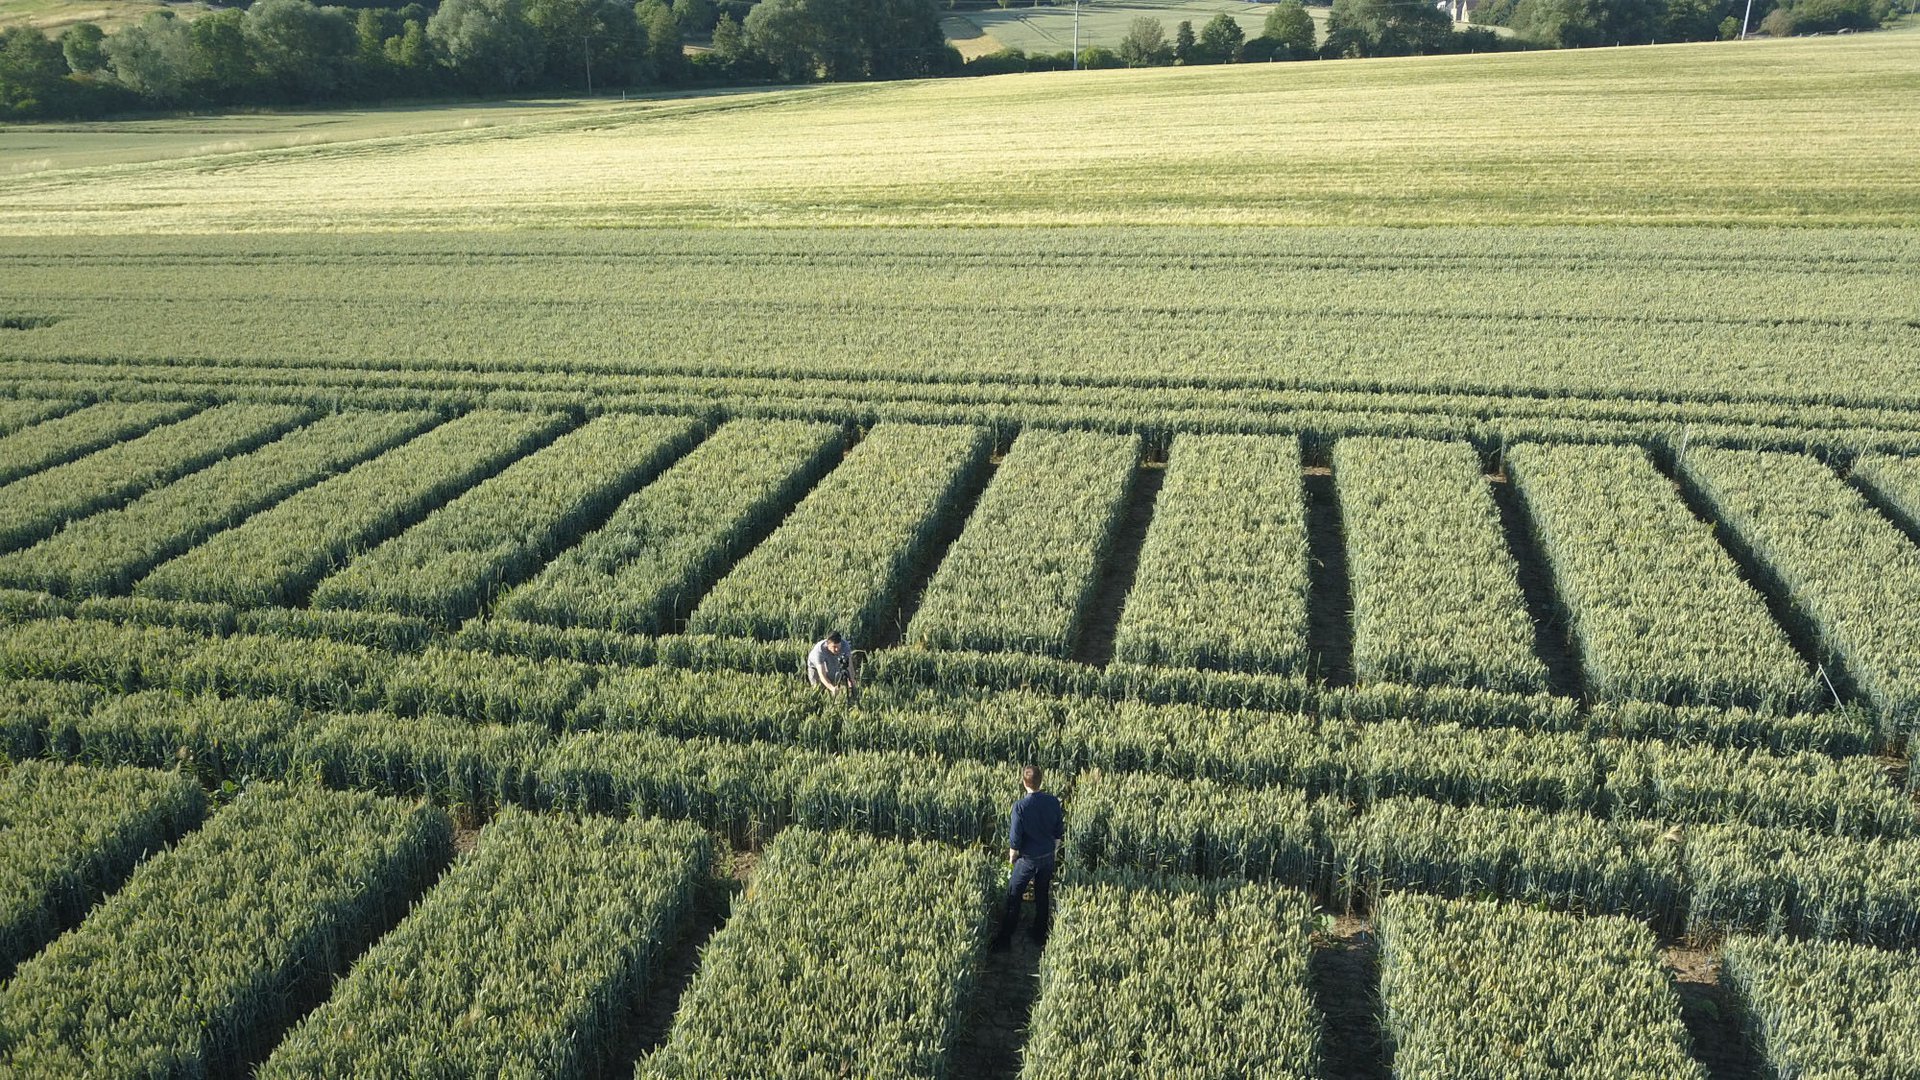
(1712, 1016)
(1329, 589)
(1550, 638)
(1117, 572)
(1345, 973)
(647, 1024)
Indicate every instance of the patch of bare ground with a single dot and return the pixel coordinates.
(1711, 1013)
(1551, 641)
(1344, 969)
(650, 1017)
(891, 632)
(995, 1028)
(1329, 589)
(1101, 621)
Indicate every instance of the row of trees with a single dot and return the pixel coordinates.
(294, 52)
(1583, 23)
(1354, 28)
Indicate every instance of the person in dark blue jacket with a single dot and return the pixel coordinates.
(1033, 844)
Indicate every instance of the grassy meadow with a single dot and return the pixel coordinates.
(1048, 28)
(56, 15)
(1798, 132)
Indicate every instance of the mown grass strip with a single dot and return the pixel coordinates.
(844, 957)
(553, 924)
(1657, 609)
(1436, 594)
(1148, 976)
(64, 438)
(1470, 990)
(1851, 572)
(1021, 575)
(35, 506)
(73, 834)
(841, 558)
(1826, 1008)
(210, 948)
(447, 566)
(1222, 581)
(666, 543)
(278, 553)
(108, 551)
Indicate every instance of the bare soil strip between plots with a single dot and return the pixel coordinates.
(1344, 980)
(1101, 622)
(1712, 1014)
(995, 1028)
(1552, 639)
(1785, 611)
(1329, 588)
(646, 1025)
(894, 631)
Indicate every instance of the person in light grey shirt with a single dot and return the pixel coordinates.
(827, 665)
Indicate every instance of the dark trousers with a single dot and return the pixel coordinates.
(1038, 873)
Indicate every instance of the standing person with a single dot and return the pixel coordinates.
(1033, 845)
(827, 665)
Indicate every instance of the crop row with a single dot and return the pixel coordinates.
(1157, 411)
(108, 551)
(841, 559)
(276, 555)
(1827, 1008)
(844, 958)
(552, 925)
(17, 413)
(59, 440)
(448, 565)
(212, 946)
(1436, 595)
(1710, 876)
(1471, 990)
(1326, 754)
(1154, 976)
(1634, 645)
(1656, 608)
(1708, 879)
(961, 675)
(1025, 567)
(1896, 481)
(73, 834)
(1851, 572)
(668, 541)
(1222, 578)
(36, 506)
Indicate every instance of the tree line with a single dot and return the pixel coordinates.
(294, 52)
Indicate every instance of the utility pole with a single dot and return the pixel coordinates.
(586, 53)
(1744, 19)
(1076, 33)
